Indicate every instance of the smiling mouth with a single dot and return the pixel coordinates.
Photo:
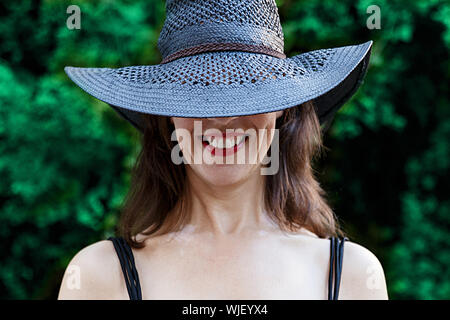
(224, 145)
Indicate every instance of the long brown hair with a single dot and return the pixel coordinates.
(293, 196)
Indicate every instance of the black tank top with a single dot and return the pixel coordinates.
(134, 288)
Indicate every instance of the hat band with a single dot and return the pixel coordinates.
(208, 47)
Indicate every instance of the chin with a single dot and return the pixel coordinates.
(223, 174)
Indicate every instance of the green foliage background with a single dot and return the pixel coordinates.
(65, 157)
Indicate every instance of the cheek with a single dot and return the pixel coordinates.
(265, 120)
(184, 128)
(264, 125)
(183, 123)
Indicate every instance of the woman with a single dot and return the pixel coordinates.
(223, 201)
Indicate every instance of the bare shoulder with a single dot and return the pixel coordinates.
(362, 275)
(94, 273)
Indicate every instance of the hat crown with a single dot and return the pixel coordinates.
(199, 23)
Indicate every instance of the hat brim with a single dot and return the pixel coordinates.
(230, 83)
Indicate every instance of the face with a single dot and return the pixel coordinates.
(223, 151)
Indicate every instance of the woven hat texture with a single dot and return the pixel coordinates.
(226, 58)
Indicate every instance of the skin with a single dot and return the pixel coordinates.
(230, 249)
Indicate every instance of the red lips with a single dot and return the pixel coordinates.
(215, 151)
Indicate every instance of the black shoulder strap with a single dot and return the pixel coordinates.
(128, 267)
(336, 256)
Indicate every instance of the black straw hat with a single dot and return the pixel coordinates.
(226, 58)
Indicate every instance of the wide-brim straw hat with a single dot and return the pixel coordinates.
(225, 58)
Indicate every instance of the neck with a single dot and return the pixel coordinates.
(230, 209)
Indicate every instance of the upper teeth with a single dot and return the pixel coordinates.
(218, 142)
